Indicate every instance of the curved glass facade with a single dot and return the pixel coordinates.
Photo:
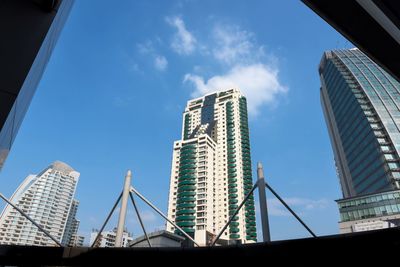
(361, 103)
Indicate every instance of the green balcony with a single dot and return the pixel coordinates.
(250, 224)
(188, 152)
(233, 230)
(231, 165)
(236, 218)
(232, 190)
(233, 201)
(251, 230)
(249, 205)
(185, 211)
(250, 213)
(232, 176)
(231, 186)
(185, 224)
(185, 205)
(251, 217)
(253, 234)
(185, 199)
(234, 236)
(187, 161)
(187, 173)
(246, 173)
(187, 230)
(187, 166)
(232, 180)
(187, 182)
(232, 196)
(249, 237)
(188, 156)
(187, 177)
(185, 147)
(248, 187)
(231, 172)
(186, 194)
(185, 218)
(186, 188)
(233, 207)
(234, 224)
(248, 181)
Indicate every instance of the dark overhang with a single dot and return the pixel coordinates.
(371, 25)
(338, 250)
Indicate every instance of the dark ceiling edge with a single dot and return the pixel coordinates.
(365, 50)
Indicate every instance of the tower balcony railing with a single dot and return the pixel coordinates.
(185, 211)
(185, 199)
(186, 182)
(187, 194)
(186, 188)
(185, 205)
(185, 218)
(231, 181)
(185, 224)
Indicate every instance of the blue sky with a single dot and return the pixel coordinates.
(113, 93)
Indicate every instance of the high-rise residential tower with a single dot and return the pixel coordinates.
(47, 198)
(361, 104)
(211, 170)
(71, 237)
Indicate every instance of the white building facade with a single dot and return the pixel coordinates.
(47, 198)
(211, 170)
(107, 238)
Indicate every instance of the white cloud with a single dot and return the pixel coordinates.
(299, 205)
(147, 49)
(160, 63)
(183, 42)
(258, 82)
(247, 67)
(234, 44)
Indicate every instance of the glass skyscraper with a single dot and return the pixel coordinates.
(361, 104)
(29, 32)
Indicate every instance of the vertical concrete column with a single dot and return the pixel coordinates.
(122, 213)
(263, 203)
